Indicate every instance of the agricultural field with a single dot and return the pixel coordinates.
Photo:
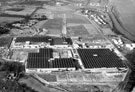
(5, 41)
(45, 12)
(24, 32)
(26, 11)
(15, 9)
(86, 88)
(48, 77)
(77, 31)
(58, 9)
(62, 76)
(17, 55)
(32, 2)
(54, 26)
(9, 19)
(42, 11)
(39, 24)
(77, 19)
(92, 30)
(37, 85)
(34, 84)
(76, 76)
(107, 31)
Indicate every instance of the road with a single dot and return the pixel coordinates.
(35, 11)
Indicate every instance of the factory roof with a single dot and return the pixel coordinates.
(47, 39)
(41, 62)
(44, 59)
(100, 58)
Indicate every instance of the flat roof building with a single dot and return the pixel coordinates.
(100, 58)
(47, 39)
(44, 60)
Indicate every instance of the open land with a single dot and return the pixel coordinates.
(9, 19)
(19, 32)
(26, 11)
(126, 15)
(54, 26)
(5, 41)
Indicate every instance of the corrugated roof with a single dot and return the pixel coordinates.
(64, 63)
(43, 60)
(47, 39)
(34, 39)
(44, 52)
(99, 58)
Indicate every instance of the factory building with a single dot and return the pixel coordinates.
(59, 54)
(39, 42)
(48, 59)
(94, 59)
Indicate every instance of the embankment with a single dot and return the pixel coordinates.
(118, 26)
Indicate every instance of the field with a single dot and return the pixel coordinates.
(78, 19)
(25, 32)
(15, 9)
(32, 2)
(5, 41)
(42, 11)
(107, 31)
(54, 26)
(126, 14)
(39, 24)
(34, 84)
(9, 19)
(37, 85)
(61, 76)
(48, 77)
(58, 9)
(79, 30)
(92, 30)
(26, 11)
(17, 55)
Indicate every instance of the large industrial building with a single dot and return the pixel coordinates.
(100, 58)
(39, 42)
(51, 60)
(59, 54)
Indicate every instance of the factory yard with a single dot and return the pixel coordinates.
(65, 47)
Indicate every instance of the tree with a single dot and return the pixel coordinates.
(15, 67)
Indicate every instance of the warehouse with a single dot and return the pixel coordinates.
(44, 63)
(45, 60)
(43, 53)
(47, 39)
(40, 42)
(99, 58)
(33, 39)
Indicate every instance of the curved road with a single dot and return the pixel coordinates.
(125, 13)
